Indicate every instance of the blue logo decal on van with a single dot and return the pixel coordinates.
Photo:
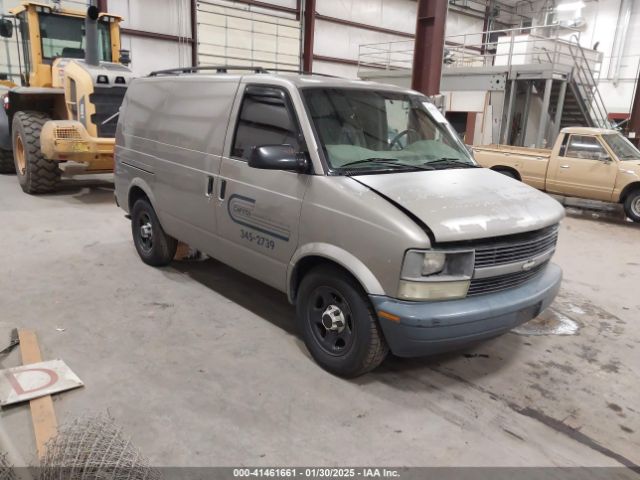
(241, 210)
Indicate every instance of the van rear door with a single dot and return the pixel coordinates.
(258, 211)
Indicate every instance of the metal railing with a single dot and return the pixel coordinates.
(516, 46)
(587, 83)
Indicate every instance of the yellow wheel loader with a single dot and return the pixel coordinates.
(60, 111)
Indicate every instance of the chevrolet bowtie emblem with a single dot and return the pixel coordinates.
(526, 266)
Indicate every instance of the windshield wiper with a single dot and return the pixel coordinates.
(382, 160)
(452, 161)
(392, 162)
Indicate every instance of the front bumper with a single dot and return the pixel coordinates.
(427, 328)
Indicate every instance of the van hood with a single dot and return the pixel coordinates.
(467, 204)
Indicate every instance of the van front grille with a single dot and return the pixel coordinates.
(480, 286)
(523, 247)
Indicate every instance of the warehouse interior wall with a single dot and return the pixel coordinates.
(342, 26)
(145, 18)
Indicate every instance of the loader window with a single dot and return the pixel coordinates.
(63, 36)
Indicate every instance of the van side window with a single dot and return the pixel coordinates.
(264, 120)
(586, 147)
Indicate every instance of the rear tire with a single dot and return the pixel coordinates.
(36, 173)
(632, 206)
(6, 162)
(338, 323)
(509, 174)
(154, 246)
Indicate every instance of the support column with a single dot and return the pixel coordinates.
(309, 31)
(194, 33)
(544, 113)
(634, 119)
(429, 46)
(506, 128)
(102, 6)
(559, 108)
(525, 115)
(470, 128)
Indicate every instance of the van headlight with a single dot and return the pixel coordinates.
(436, 274)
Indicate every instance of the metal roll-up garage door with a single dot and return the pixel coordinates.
(237, 33)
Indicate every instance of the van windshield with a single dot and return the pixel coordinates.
(371, 130)
(623, 148)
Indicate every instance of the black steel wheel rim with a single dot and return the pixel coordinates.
(336, 342)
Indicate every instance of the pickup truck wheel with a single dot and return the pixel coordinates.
(508, 173)
(338, 323)
(632, 206)
(6, 162)
(36, 174)
(154, 246)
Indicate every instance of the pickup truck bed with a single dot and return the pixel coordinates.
(526, 164)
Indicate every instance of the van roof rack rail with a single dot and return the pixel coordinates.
(226, 68)
(216, 68)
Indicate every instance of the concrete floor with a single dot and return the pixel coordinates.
(202, 365)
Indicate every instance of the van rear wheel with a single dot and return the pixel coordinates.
(154, 246)
(632, 206)
(6, 162)
(338, 323)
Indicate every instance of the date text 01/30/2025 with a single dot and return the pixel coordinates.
(315, 472)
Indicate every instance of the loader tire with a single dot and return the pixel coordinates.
(6, 162)
(36, 173)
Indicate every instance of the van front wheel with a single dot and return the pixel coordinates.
(338, 323)
(154, 246)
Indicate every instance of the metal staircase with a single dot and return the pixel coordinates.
(583, 92)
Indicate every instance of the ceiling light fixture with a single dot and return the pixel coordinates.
(570, 6)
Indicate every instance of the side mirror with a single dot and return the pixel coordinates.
(278, 157)
(6, 28)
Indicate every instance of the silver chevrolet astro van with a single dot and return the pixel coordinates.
(356, 199)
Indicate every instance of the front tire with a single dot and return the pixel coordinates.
(632, 206)
(7, 164)
(338, 323)
(154, 246)
(36, 173)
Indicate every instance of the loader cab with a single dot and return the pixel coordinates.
(42, 34)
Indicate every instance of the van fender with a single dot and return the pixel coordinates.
(338, 255)
(144, 186)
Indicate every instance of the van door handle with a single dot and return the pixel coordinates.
(223, 189)
(209, 190)
(564, 166)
